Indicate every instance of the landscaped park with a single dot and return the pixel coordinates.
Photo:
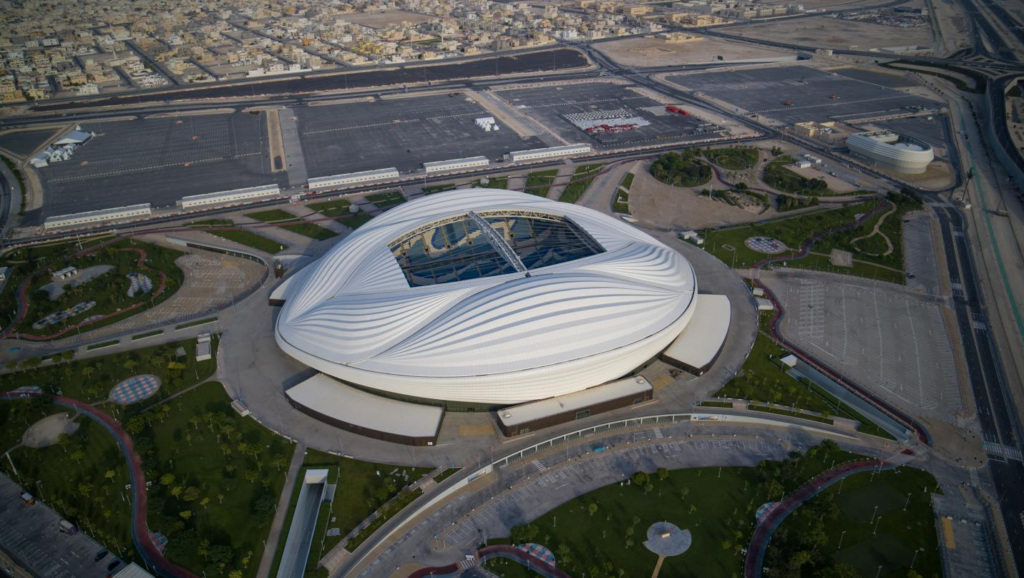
(70, 287)
(602, 533)
(683, 169)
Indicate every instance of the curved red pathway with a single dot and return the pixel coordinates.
(152, 556)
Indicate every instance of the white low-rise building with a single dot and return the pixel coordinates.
(550, 153)
(348, 179)
(232, 196)
(455, 165)
(100, 216)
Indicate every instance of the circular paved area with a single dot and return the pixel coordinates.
(765, 245)
(666, 539)
(135, 389)
(45, 432)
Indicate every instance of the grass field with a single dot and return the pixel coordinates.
(446, 474)
(83, 481)
(581, 180)
(432, 189)
(249, 239)
(385, 201)
(494, 183)
(716, 505)
(621, 202)
(539, 183)
(878, 542)
(733, 158)
(212, 223)
(681, 170)
(335, 208)
(728, 244)
(311, 230)
(108, 290)
(225, 471)
(272, 216)
(776, 175)
(760, 379)
(355, 221)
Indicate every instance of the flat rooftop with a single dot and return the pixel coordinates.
(698, 345)
(336, 400)
(535, 410)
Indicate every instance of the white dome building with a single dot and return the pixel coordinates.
(489, 297)
(897, 152)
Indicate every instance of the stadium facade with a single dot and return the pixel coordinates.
(897, 152)
(488, 297)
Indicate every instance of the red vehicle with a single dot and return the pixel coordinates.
(677, 110)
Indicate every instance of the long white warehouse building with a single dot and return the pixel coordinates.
(897, 152)
(550, 153)
(100, 216)
(359, 178)
(486, 296)
(232, 196)
(455, 165)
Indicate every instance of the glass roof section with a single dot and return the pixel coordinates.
(459, 248)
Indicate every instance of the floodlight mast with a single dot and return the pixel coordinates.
(499, 244)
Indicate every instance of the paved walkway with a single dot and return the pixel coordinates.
(283, 502)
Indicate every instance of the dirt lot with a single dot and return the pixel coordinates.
(652, 52)
(654, 202)
(382, 19)
(837, 33)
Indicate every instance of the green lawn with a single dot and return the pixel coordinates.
(109, 290)
(508, 569)
(364, 487)
(212, 223)
(335, 208)
(762, 379)
(355, 221)
(446, 474)
(272, 216)
(581, 180)
(539, 183)
(83, 481)
(681, 170)
(385, 201)
(250, 239)
(91, 380)
(494, 183)
(432, 189)
(821, 523)
(733, 158)
(311, 230)
(793, 231)
(717, 505)
(216, 480)
(778, 176)
(17, 416)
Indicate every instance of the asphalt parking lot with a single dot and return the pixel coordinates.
(919, 252)
(403, 133)
(896, 80)
(887, 339)
(549, 105)
(932, 131)
(158, 161)
(30, 534)
(23, 143)
(764, 90)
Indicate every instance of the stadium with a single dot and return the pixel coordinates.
(486, 297)
(897, 152)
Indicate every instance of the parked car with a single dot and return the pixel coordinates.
(100, 555)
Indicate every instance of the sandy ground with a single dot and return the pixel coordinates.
(652, 52)
(45, 432)
(382, 19)
(824, 4)
(654, 202)
(837, 33)
(939, 175)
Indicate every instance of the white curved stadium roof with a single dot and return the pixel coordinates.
(486, 296)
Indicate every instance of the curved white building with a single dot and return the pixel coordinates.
(898, 152)
(486, 296)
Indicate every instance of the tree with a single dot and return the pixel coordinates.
(77, 455)
(190, 494)
(592, 508)
(85, 489)
(662, 474)
(523, 533)
(235, 574)
(648, 488)
(64, 440)
(176, 491)
(203, 548)
(166, 479)
(683, 493)
(136, 425)
(204, 502)
(185, 515)
(110, 474)
(640, 479)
